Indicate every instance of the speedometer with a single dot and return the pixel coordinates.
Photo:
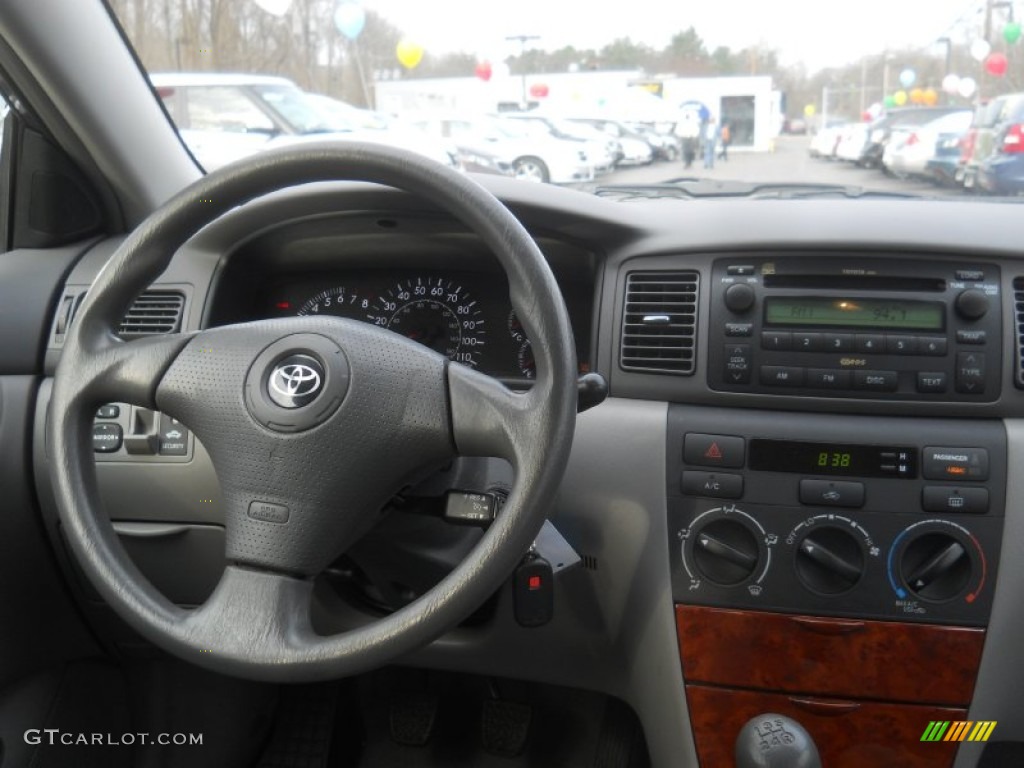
(437, 313)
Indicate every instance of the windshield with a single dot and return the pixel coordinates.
(749, 92)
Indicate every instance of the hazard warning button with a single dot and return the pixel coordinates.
(713, 450)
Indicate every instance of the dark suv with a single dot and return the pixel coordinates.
(1000, 169)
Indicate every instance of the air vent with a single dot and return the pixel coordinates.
(1018, 313)
(659, 324)
(154, 312)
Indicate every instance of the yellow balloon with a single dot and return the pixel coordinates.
(900, 97)
(809, 110)
(409, 53)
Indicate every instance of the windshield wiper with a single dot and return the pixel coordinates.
(693, 188)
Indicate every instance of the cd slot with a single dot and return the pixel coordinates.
(857, 282)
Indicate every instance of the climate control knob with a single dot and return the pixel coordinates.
(725, 551)
(936, 566)
(829, 560)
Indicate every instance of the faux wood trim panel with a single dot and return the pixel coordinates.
(894, 661)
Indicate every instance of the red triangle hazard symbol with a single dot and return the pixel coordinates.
(714, 452)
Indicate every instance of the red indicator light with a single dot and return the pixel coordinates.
(283, 305)
(955, 470)
(714, 452)
(533, 583)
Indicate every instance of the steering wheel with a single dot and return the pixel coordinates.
(312, 424)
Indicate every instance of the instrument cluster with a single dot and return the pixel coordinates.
(466, 316)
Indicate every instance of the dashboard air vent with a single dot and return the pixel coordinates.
(659, 322)
(154, 312)
(1018, 314)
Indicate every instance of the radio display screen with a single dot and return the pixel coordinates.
(854, 313)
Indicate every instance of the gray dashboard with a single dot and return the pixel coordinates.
(614, 628)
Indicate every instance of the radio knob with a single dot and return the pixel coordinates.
(971, 304)
(739, 297)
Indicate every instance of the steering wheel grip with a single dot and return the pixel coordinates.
(403, 410)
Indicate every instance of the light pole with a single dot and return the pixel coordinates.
(522, 40)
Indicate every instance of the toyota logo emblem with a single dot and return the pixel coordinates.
(295, 381)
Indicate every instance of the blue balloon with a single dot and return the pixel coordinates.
(350, 18)
(907, 77)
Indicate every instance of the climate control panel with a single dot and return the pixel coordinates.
(835, 515)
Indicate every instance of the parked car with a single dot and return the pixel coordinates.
(384, 129)
(852, 141)
(637, 148)
(899, 121)
(1001, 171)
(662, 139)
(603, 151)
(225, 117)
(977, 145)
(910, 154)
(824, 143)
(529, 155)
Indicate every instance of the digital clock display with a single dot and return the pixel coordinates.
(832, 458)
(814, 311)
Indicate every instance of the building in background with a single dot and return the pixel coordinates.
(749, 104)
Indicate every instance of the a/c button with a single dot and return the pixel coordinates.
(719, 485)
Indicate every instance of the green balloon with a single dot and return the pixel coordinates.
(889, 102)
(1011, 32)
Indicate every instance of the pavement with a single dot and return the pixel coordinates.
(789, 163)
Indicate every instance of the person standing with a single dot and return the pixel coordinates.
(725, 136)
(710, 143)
(688, 129)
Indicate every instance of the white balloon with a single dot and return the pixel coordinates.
(275, 7)
(967, 87)
(980, 49)
(951, 84)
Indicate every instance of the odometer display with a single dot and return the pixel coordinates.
(435, 312)
(815, 311)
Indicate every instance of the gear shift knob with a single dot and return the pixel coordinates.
(775, 741)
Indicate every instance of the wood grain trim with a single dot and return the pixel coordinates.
(893, 661)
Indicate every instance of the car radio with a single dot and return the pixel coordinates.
(871, 328)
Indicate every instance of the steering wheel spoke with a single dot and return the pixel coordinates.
(488, 419)
(127, 371)
(253, 614)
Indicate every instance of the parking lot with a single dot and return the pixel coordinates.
(790, 162)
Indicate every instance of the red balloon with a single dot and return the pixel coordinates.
(539, 91)
(483, 70)
(996, 64)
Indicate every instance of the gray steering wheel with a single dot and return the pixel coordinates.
(312, 424)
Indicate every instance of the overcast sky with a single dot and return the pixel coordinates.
(818, 32)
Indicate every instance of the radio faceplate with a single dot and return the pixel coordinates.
(856, 328)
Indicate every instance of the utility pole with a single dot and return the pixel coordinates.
(522, 40)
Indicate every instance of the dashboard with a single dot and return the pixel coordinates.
(798, 498)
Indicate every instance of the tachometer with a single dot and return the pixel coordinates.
(437, 313)
(336, 301)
